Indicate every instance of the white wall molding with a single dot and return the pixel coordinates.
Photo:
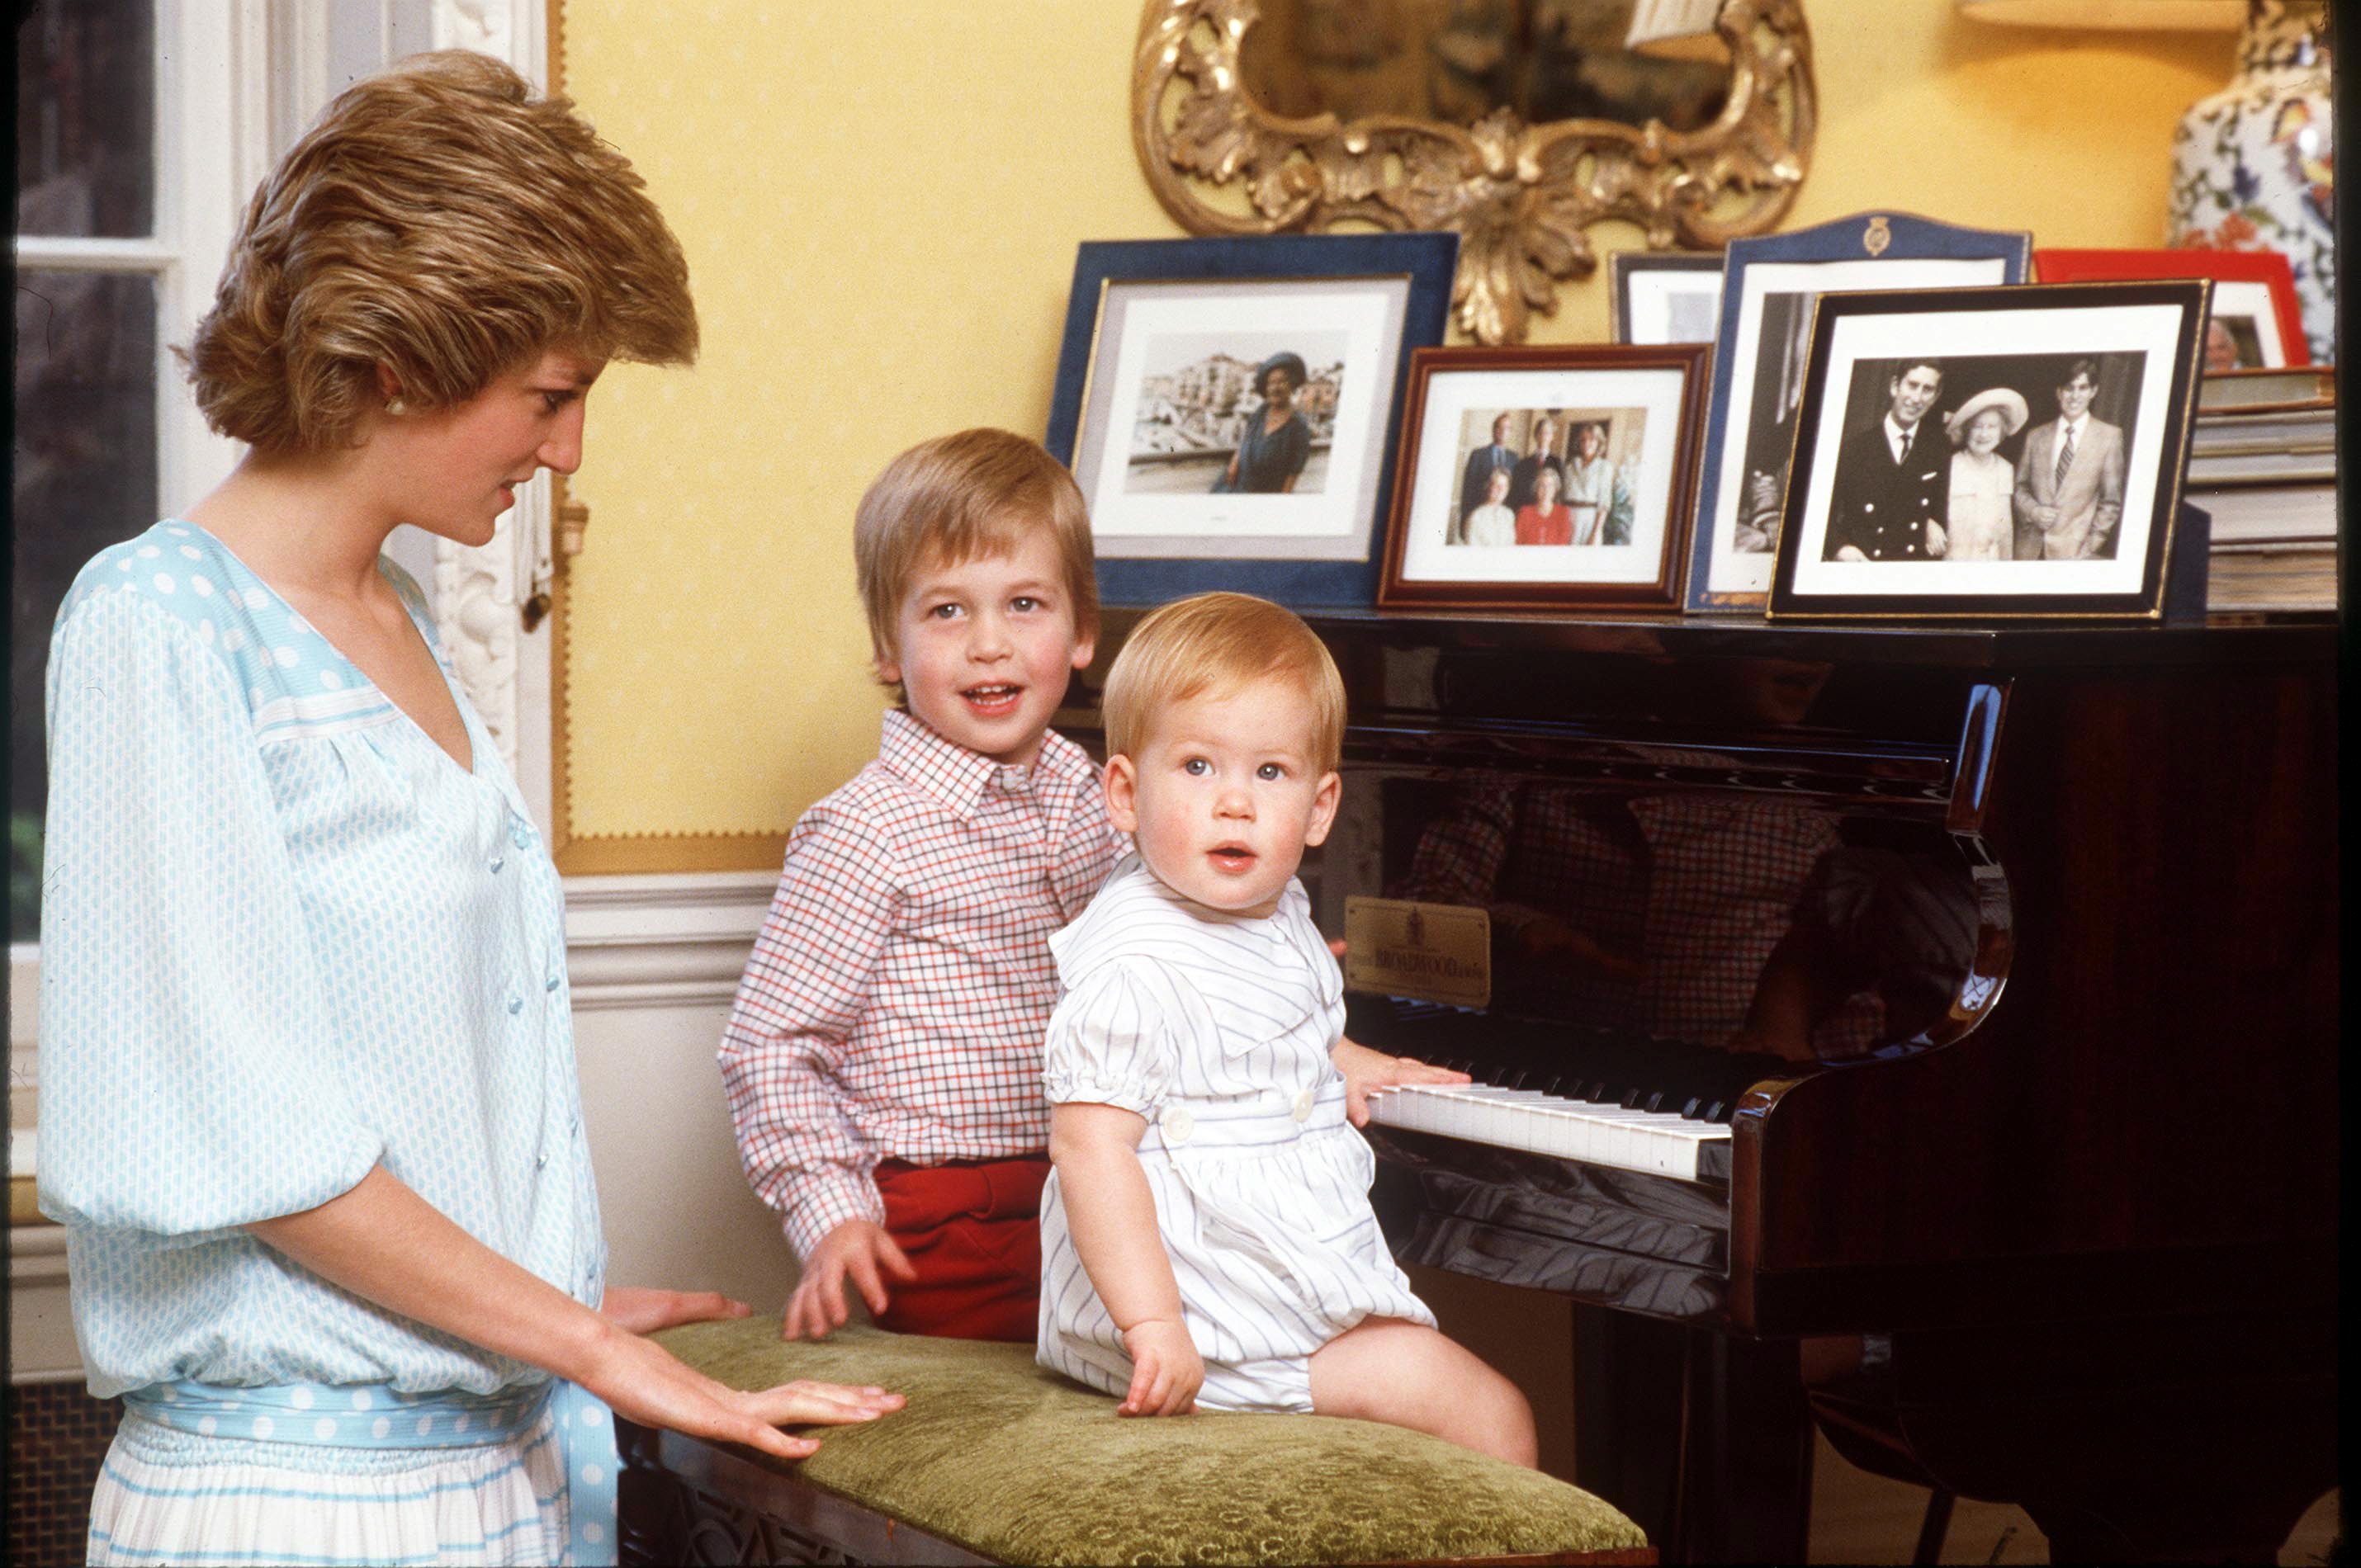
(662, 942)
(41, 1347)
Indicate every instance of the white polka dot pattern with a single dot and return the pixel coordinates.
(275, 952)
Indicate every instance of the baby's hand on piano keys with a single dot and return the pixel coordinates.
(1166, 1370)
(1365, 1070)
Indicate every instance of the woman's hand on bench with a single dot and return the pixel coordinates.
(645, 1382)
(1166, 1370)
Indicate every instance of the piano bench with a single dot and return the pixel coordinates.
(995, 1460)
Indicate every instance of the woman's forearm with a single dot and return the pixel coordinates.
(383, 1241)
(1112, 1214)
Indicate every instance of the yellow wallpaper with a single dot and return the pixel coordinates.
(880, 204)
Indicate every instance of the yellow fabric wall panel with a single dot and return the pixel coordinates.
(881, 203)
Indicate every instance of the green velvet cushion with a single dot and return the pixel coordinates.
(1017, 1463)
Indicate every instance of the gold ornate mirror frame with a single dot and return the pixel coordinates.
(1520, 196)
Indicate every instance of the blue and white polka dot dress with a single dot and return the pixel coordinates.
(285, 937)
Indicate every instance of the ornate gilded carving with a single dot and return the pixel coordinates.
(1521, 196)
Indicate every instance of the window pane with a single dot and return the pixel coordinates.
(86, 119)
(85, 449)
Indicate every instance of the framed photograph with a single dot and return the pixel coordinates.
(1544, 477)
(1991, 453)
(2257, 323)
(1768, 287)
(1230, 407)
(1664, 296)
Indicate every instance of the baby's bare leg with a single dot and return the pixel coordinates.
(1407, 1374)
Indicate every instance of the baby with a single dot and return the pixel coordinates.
(1206, 1234)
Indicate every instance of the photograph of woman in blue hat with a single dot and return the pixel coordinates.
(1275, 447)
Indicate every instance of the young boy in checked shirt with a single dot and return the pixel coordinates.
(884, 1056)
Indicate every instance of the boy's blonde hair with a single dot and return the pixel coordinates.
(977, 492)
(442, 222)
(1219, 642)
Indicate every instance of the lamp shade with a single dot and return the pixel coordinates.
(2126, 15)
(1677, 29)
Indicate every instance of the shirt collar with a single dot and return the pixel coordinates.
(959, 777)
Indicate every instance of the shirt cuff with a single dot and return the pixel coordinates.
(824, 1202)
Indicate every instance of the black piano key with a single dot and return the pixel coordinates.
(1573, 1061)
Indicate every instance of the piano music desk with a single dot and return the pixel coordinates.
(994, 1460)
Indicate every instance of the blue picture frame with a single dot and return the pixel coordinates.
(1426, 260)
(1880, 238)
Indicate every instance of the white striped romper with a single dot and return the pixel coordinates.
(1216, 1029)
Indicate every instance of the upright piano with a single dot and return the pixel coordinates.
(1928, 1036)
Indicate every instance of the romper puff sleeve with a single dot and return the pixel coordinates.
(1110, 1042)
(187, 1077)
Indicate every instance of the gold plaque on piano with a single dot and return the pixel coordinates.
(1437, 952)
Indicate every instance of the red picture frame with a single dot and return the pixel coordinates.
(2267, 267)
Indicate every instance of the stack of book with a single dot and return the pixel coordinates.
(2262, 460)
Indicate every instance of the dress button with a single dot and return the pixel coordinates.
(519, 834)
(1302, 1107)
(497, 862)
(1178, 1125)
(516, 1006)
(540, 1161)
(549, 984)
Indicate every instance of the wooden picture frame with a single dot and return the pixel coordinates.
(1169, 349)
(1545, 478)
(2256, 320)
(1995, 513)
(1758, 363)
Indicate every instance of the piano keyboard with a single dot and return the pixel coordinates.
(1660, 1142)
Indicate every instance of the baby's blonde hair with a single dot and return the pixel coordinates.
(977, 492)
(1219, 642)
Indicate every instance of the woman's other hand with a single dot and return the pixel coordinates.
(639, 1311)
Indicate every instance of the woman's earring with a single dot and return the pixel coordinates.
(396, 407)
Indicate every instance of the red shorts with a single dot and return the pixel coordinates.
(972, 1230)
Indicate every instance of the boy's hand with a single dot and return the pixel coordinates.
(1366, 1069)
(859, 1249)
(1166, 1370)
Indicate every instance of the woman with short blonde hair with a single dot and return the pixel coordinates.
(308, 1098)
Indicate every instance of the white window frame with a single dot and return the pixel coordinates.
(213, 94)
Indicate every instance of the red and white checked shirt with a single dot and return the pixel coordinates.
(897, 999)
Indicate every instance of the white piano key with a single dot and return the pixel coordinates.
(1618, 1136)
